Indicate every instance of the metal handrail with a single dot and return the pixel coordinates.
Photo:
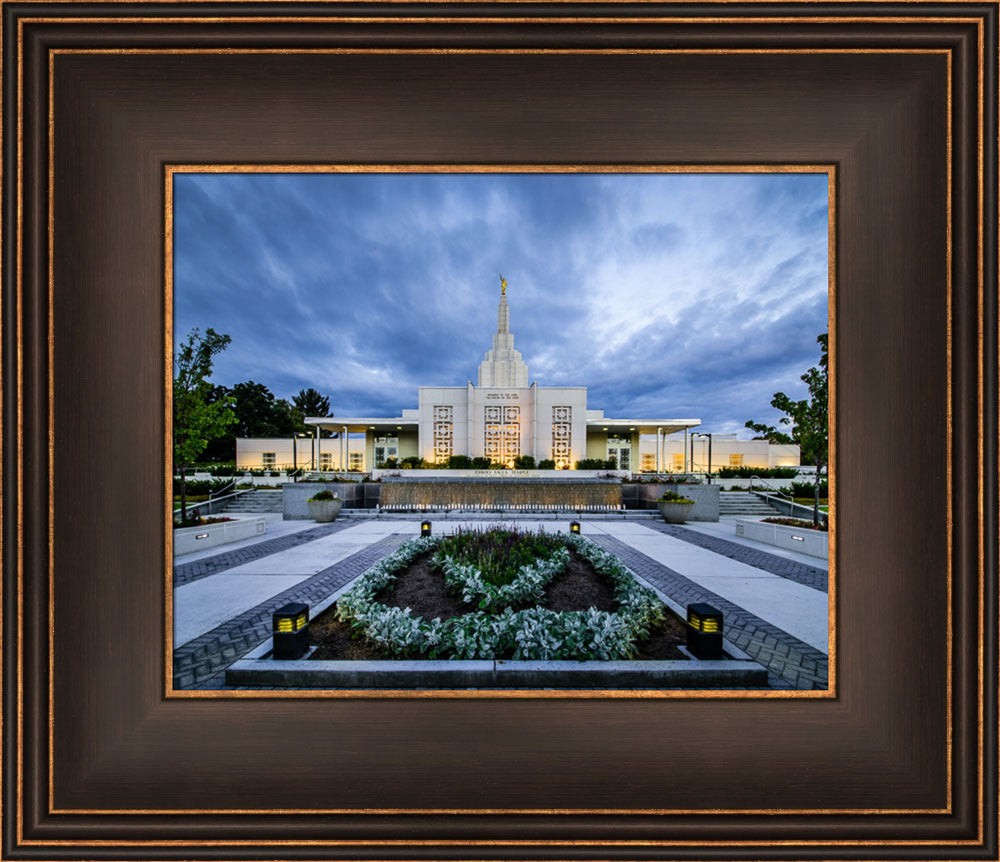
(779, 491)
(218, 492)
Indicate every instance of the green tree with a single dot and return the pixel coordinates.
(254, 405)
(809, 419)
(310, 403)
(198, 417)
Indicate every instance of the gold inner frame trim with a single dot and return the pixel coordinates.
(171, 169)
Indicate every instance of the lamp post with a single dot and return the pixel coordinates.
(295, 453)
(709, 436)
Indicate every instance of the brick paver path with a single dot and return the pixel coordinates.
(201, 662)
(188, 572)
(808, 576)
(790, 662)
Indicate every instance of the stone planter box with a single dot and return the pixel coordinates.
(644, 495)
(324, 511)
(815, 543)
(189, 539)
(353, 495)
(675, 513)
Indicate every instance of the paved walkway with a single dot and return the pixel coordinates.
(775, 607)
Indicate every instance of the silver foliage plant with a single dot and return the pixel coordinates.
(532, 634)
(526, 587)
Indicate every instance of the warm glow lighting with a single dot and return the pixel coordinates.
(290, 627)
(704, 633)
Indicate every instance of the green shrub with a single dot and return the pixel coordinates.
(761, 472)
(412, 462)
(808, 489)
(481, 463)
(199, 487)
(524, 462)
(596, 464)
(459, 462)
(497, 553)
(323, 496)
(546, 464)
(673, 497)
(390, 464)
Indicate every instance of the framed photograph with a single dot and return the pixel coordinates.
(102, 760)
(683, 296)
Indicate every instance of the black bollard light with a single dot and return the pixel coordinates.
(290, 633)
(425, 528)
(574, 527)
(704, 634)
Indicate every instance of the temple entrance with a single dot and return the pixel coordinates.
(620, 451)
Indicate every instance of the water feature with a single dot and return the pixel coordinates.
(501, 495)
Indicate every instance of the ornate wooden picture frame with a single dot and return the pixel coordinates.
(99, 99)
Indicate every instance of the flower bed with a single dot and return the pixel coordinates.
(796, 522)
(504, 631)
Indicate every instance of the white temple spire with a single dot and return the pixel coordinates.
(503, 365)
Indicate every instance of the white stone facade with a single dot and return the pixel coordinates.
(501, 417)
(501, 423)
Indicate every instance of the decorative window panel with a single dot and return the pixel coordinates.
(444, 432)
(502, 432)
(562, 432)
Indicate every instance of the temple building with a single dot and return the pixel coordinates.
(500, 417)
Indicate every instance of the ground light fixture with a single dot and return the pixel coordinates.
(290, 631)
(574, 527)
(704, 631)
(425, 528)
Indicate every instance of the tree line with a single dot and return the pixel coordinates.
(208, 418)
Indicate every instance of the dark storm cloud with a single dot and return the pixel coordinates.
(667, 295)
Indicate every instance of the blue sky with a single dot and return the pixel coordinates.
(668, 295)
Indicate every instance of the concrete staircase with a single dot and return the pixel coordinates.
(254, 501)
(744, 503)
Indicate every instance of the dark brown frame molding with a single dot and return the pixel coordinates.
(98, 99)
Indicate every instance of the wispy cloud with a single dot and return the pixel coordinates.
(667, 295)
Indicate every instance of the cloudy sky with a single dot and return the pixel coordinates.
(668, 295)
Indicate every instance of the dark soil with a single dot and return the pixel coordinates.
(422, 589)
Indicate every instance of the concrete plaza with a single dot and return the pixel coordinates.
(775, 602)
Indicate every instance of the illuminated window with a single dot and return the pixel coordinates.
(562, 429)
(268, 459)
(678, 461)
(444, 432)
(735, 460)
(502, 432)
(325, 461)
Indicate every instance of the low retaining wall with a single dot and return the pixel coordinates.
(355, 495)
(643, 495)
(498, 674)
(815, 543)
(189, 539)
